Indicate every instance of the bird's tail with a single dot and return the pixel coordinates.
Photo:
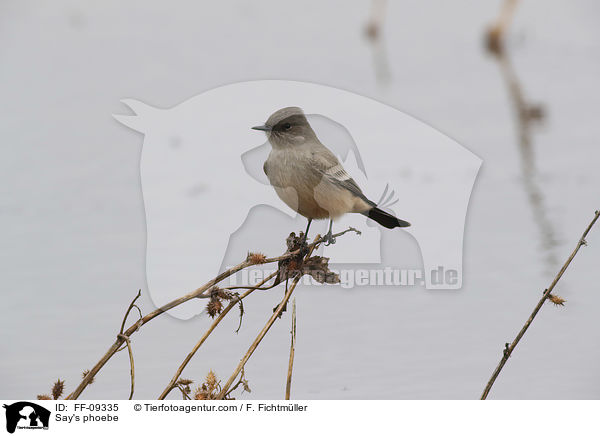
(385, 219)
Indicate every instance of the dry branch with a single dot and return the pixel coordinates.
(131, 365)
(129, 309)
(261, 335)
(495, 34)
(276, 314)
(215, 323)
(202, 292)
(288, 385)
(508, 349)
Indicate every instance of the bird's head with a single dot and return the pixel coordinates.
(288, 127)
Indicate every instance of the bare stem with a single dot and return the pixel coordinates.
(215, 323)
(288, 385)
(131, 306)
(510, 347)
(241, 381)
(201, 292)
(260, 336)
(276, 314)
(183, 393)
(198, 293)
(131, 365)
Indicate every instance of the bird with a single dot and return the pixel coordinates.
(309, 178)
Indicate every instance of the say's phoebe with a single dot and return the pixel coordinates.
(308, 177)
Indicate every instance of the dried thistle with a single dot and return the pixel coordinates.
(294, 242)
(209, 390)
(199, 394)
(85, 373)
(290, 267)
(256, 258)
(556, 300)
(44, 397)
(214, 306)
(211, 380)
(58, 388)
(318, 268)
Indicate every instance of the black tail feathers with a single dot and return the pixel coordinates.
(385, 219)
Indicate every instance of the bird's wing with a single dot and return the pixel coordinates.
(325, 162)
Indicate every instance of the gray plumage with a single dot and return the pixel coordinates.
(308, 177)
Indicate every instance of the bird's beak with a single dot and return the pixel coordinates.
(263, 128)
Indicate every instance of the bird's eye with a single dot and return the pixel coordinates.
(287, 126)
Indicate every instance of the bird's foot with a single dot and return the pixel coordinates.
(329, 239)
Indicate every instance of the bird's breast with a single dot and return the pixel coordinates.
(303, 188)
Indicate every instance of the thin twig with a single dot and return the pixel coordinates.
(254, 288)
(184, 393)
(260, 336)
(206, 334)
(276, 314)
(320, 239)
(201, 292)
(510, 347)
(132, 367)
(240, 302)
(241, 381)
(136, 326)
(506, 14)
(526, 114)
(495, 34)
(131, 306)
(288, 385)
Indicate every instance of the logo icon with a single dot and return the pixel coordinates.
(26, 415)
(208, 200)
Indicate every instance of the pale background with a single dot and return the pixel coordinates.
(72, 216)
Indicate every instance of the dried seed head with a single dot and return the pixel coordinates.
(294, 242)
(58, 388)
(44, 397)
(214, 307)
(211, 380)
(200, 395)
(256, 258)
(185, 381)
(318, 268)
(556, 300)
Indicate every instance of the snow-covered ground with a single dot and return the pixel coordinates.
(73, 249)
